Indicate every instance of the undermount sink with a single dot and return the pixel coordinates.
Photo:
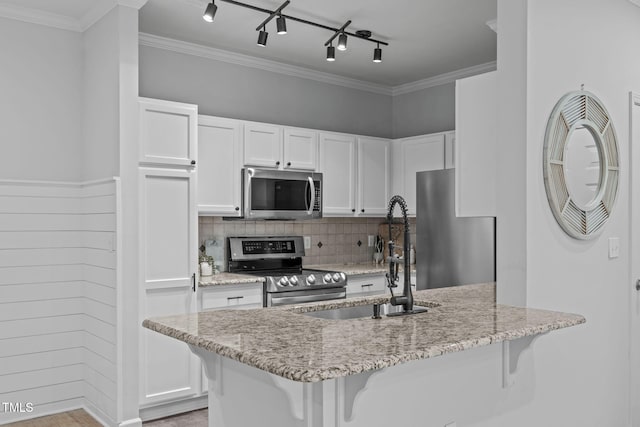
(362, 311)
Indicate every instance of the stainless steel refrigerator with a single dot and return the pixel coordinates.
(450, 251)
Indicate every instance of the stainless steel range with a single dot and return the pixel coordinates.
(279, 260)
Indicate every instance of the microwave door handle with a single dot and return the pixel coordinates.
(313, 196)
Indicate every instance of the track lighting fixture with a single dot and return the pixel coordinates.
(281, 26)
(377, 54)
(262, 37)
(210, 12)
(342, 42)
(331, 53)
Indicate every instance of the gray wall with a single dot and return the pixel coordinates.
(426, 111)
(229, 90)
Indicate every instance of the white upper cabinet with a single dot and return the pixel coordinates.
(219, 180)
(277, 147)
(300, 149)
(412, 155)
(337, 164)
(374, 163)
(262, 145)
(168, 134)
(476, 141)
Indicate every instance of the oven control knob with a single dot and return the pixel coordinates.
(311, 279)
(336, 277)
(327, 278)
(293, 281)
(343, 277)
(283, 282)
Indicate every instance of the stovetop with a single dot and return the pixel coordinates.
(279, 260)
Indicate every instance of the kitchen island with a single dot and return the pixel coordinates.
(298, 370)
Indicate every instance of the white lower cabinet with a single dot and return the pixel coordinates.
(366, 285)
(241, 296)
(246, 295)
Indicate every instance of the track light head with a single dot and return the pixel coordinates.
(210, 12)
(262, 38)
(281, 24)
(377, 54)
(331, 53)
(342, 41)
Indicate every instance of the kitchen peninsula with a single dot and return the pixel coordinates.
(299, 370)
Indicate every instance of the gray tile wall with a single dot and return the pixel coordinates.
(339, 236)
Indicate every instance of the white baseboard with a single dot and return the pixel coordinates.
(134, 422)
(173, 408)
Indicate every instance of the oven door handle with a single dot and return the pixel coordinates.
(307, 298)
(313, 196)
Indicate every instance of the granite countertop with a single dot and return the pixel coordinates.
(228, 279)
(348, 269)
(357, 269)
(284, 342)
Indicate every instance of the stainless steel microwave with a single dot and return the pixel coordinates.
(273, 194)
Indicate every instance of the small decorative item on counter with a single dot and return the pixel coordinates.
(206, 265)
(378, 255)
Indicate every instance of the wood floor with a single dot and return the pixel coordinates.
(79, 418)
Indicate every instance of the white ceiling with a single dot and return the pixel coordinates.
(426, 38)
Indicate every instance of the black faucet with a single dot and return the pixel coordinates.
(406, 299)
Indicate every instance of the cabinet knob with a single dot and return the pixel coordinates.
(193, 162)
(353, 210)
(362, 210)
(237, 208)
(288, 163)
(278, 163)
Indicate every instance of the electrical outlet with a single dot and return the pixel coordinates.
(614, 247)
(370, 241)
(307, 242)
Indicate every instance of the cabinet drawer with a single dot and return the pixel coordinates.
(366, 284)
(229, 296)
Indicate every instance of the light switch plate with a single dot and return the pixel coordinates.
(614, 247)
(307, 242)
(370, 242)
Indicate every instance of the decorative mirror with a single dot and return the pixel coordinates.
(581, 165)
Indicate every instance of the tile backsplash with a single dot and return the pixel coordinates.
(333, 240)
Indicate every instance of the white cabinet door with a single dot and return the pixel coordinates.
(337, 164)
(168, 245)
(168, 134)
(419, 154)
(449, 150)
(374, 161)
(262, 145)
(476, 145)
(219, 180)
(300, 149)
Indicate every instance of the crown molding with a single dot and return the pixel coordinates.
(259, 63)
(39, 17)
(178, 46)
(444, 78)
(63, 22)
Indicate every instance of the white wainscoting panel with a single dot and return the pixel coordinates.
(58, 297)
